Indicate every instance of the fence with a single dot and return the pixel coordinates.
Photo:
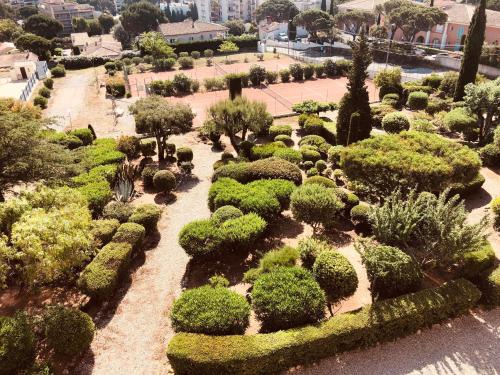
(25, 94)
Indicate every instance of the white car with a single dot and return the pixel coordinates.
(282, 37)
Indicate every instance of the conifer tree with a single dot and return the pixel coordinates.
(472, 51)
(323, 5)
(356, 101)
(333, 8)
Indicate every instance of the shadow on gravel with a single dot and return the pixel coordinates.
(480, 199)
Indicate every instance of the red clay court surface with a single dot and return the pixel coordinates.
(279, 97)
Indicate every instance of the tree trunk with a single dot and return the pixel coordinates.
(330, 308)
(2, 198)
(235, 145)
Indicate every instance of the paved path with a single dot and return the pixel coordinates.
(134, 339)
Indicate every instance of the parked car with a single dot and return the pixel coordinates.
(282, 37)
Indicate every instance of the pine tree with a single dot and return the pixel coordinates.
(354, 120)
(194, 12)
(472, 51)
(333, 8)
(323, 5)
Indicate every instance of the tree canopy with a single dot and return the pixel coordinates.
(276, 10)
(236, 27)
(353, 20)
(152, 43)
(34, 43)
(107, 22)
(8, 28)
(141, 17)
(43, 26)
(314, 20)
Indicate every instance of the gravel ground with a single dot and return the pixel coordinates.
(465, 346)
(132, 339)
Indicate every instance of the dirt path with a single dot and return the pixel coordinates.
(134, 339)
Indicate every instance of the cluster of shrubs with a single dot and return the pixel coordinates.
(115, 86)
(67, 331)
(44, 93)
(179, 85)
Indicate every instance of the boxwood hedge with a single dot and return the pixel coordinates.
(17, 344)
(408, 159)
(271, 353)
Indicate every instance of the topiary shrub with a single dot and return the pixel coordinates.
(266, 150)
(321, 165)
(58, 71)
(312, 140)
(287, 297)
(309, 154)
(129, 145)
(433, 80)
(148, 174)
(491, 288)
(103, 231)
(324, 181)
(391, 272)
(118, 210)
(495, 208)
(184, 154)
(309, 249)
(302, 119)
(98, 194)
(395, 122)
(391, 99)
(336, 276)
(297, 72)
(313, 125)
(311, 172)
(287, 140)
(288, 154)
(164, 181)
(276, 130)
(69, 331)
(44, 91)
(418, 100)
(115, 86)
(315, 204)
(225, 213)
(146, 215)
(49, 83)
(17, 344)
(436, 105)
(130, 233)
(385, 163)
(360, 215)
(84, 134)
(285, 257)
(378, 112)
(473, 264)
(210, 311)
(459, 120)
(490, 155)
(185, 62)
(40, 101)
(284, 75)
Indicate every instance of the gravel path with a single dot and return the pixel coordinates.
(134, 339)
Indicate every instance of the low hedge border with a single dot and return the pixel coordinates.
(271, 353)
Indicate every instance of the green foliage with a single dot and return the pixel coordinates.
(324, 181)
(284, 75)
(449, 83)
(276, 130)
(103, 230)
(390, 271)
(418, 100)
(430, 162)
(459, 120)
(271, 77)
(436, 105)
(395, 122)
(186, 62)
(336, 275)
(288, 154)
(146, 215)
(67, 141)
(257, 74)
(211, 311)
(45, 92)
(285, 257)
(491, 288)
(390, 77)
(102, 151)
(315, 204)
(98, 194)
(225, 213)
(84, 134)
(312, 107)
(69, 331)
(474, 263)
(296, 71)
(313, 125)
(130, 233)
(266, 150)
(360, 214)
(40, 101)
(271, 168)
(378, 112)
(141, 17)
(433, 80)
(164, 181)
(100, 278)
(312, 140)
(17, 343)
(272, 353)
(105, 172)
(287, 297)
(147, 147)
(129, 145)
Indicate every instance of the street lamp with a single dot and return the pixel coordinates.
(393, 30)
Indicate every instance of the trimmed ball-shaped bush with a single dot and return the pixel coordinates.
(310, 155)
(130, 233)
(287, 297)
(286, 139)
(336, 275)
(311, 172)
(164, 181)
(118, 210)
(103, 230)
(395, 122)
(459, 120)
(146, 215)
(275, 130)
(184, 154)
(308, 164)
(418, 100)
(288, 154)
(40, 101)
(17, 344)
(320, 165)
(309, 249)
(391, 272)
(49, 83)
(315, 204)
(69, 331)
(84, 134)
(313, 125)
(285, 257)
(312, 140)
(321, 180)
(44, 91)
(360, 214)
(225, 213)
(148, 174)
(210, 311)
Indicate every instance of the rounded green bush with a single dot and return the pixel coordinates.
(148, 174)
(309, 249)
(69, 331)
(44, 91)
(321, 180)
(459, 120)
(287, 297)
(210, 311)
(225, 213)
(262, 203)
(103, 230)
(146, 215)
(418, 100)
(17, 344)
(200, 238)
(265, 151)
(302, 119)
(310, 155)
(98, 194)
(315, 204)
(40, 101)
(336, 275)
(84, 134)
(279, 188)
(58, 71)
(286, 139)
(312, 140)
(130, 233)
(360, 214)
(184, 154)
(433, 80)
(147, 147)
(395, 122)
(334, 153)
(311, 172)
(320, 165)
(391, 272)
(118, 210)
(164, 181)
(275, 130)
(49, 83)
(308, 164)
(284, 257)
(313, 125)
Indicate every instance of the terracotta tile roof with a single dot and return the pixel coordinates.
(368, 5)
(8, 60)
(462, 14)
(187, 27)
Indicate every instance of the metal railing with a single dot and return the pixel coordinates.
(25, 94)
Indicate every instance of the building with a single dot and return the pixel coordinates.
(226, 10)
(22, 3)
(65, 12)
(189, 31)
(96, 46)
(183, 8)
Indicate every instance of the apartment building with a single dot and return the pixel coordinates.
(65, 12)
(225, 10)
(22, 3)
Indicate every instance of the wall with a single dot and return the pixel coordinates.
(452, 63)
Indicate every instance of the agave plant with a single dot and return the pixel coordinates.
(124, 186)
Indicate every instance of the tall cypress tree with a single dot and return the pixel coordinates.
(472, 51)
(333, 8)
(354, 120)
(194, 12)
(323, 5)
(168, 13)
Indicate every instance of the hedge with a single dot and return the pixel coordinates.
(491, 288)
(265, 151)
(98, 194)
(275, 352)
(103, 230)
(473, 264)
(146, 215)
(100, 278)
(243, 42)
(17, 344)
(82, 62)
(130, 233)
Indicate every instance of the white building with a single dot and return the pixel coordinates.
(226, 10)
(176, 7)
(189, 31)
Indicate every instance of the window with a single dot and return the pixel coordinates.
(439, 28)
(435, 42)
(172, 40)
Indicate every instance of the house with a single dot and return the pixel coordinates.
(271, 30)
(65, 12)
(20, 65)
(96, 46)
(189, 31)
